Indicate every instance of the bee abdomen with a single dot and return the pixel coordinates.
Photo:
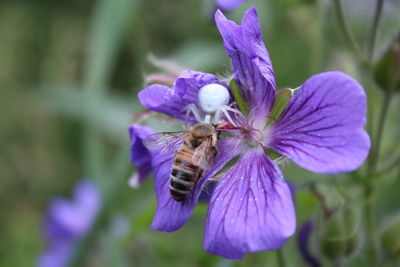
(182, 181)
(177, 194)
(181, 184)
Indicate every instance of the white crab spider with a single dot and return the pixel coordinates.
(213, 100)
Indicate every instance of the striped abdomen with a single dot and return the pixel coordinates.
(184, 174)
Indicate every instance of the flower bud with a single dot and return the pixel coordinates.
(304, 243)
(165, 79)
(390, 238)
(340, 237)
(387, 69)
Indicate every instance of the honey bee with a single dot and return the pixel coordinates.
(195, 151)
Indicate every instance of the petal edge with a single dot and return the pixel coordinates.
(251, 64)
(250, 210)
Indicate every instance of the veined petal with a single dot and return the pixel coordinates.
(321, 128)
(170, 214)
(250, 210)
(207, 192)
(173, 101)
(251, 64)
(140, 155)
(229, 4)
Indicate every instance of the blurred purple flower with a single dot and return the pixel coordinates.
(251, 207)
(66, 222)
(229, 4)
(303, 243)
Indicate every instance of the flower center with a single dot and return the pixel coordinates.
(251, 137)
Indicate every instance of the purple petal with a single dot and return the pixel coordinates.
(170, 214)
(58, 255)
(140, 156)
(229, 4)
(173, 101)
(88, 201)
(321, 129)
(252, 67)
(208, 190)
(60, 223)
(67, 220)
(250, 210)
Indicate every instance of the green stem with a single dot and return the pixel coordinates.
(394, 163)
(374, 30)
(281, 258)
(369, 188)
(375, 153)
(370, 223)
(318, 38)
(381, 124)
(345, 28)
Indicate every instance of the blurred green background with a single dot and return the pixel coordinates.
(69, 76)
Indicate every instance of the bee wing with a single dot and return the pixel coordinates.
(165, 142)
(204, 154)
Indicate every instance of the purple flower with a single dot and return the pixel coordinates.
(229, 4)
(140, 156)
(251, 207)
(66, 222)
(304, 241)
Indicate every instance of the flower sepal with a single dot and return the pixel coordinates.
(238, 98)
(272, 154)
(281, 100)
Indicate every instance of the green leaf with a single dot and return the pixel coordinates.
(281, 100)
(238, 98)
(110, 116)
(109, 27)
(200, 55)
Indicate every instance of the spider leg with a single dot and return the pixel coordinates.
(223, 110)
(218, 115)
(229, 108)
(192, 108)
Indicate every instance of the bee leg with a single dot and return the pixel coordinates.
(192, 108)
(200, 174)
